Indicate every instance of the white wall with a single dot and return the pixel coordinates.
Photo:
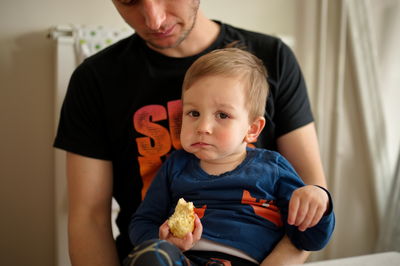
(267, 16)
(26, 119)
(27, 226)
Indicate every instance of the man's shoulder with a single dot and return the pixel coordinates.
(251, 36)
(112, 60)
(267, 47)
(116, 52)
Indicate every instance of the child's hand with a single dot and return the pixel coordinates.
(188, 241)
(306, 206)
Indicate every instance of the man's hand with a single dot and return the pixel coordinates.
(307, 206)
(188, 241)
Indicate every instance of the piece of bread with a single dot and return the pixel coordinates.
(181, 221)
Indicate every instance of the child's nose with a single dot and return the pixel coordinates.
(204, 126)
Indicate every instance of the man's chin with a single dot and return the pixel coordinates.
(163, 46)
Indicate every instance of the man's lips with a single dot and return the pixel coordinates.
(163, 34)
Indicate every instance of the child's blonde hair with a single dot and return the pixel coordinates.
(237, 63)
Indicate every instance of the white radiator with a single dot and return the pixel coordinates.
(72, 45)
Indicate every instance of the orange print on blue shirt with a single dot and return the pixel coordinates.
(264, 208)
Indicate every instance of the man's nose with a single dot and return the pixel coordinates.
(154, 13)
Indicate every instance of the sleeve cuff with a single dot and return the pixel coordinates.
(330, 207)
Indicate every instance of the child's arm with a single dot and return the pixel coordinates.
(300, 148)
(307, 206)
(154, 209)
(316, 237)
(313, 238)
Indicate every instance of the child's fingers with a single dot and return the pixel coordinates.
(163, 231)
(186, 243)
(302, 212)
(320, 204)
(198, 229)
(294, 204)
(309, 218)
(317, 217)
(190, 238)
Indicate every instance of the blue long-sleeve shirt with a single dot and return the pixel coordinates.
(245, 208)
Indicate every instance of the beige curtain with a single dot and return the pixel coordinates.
(338, 48)
(387, 28)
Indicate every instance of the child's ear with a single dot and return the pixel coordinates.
(255, 129)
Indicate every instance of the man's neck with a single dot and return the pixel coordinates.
(203, 34)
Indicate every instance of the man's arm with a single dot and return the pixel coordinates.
(89, 219)
(300, 147)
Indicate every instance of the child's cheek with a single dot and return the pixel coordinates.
(225, 137)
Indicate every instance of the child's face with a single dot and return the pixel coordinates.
(215, 119)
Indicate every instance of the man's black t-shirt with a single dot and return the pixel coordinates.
(123, 105)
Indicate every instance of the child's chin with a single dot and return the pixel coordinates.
(206, 156)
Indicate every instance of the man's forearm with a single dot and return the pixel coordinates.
(92, 244)
(285, 253)
(89, 211)
(300, 147)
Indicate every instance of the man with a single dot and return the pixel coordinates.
(121, 118)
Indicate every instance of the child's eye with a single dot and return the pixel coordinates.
(127, 2)
(222, 116)
(193, 113)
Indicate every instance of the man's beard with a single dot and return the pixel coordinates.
(184, 34)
